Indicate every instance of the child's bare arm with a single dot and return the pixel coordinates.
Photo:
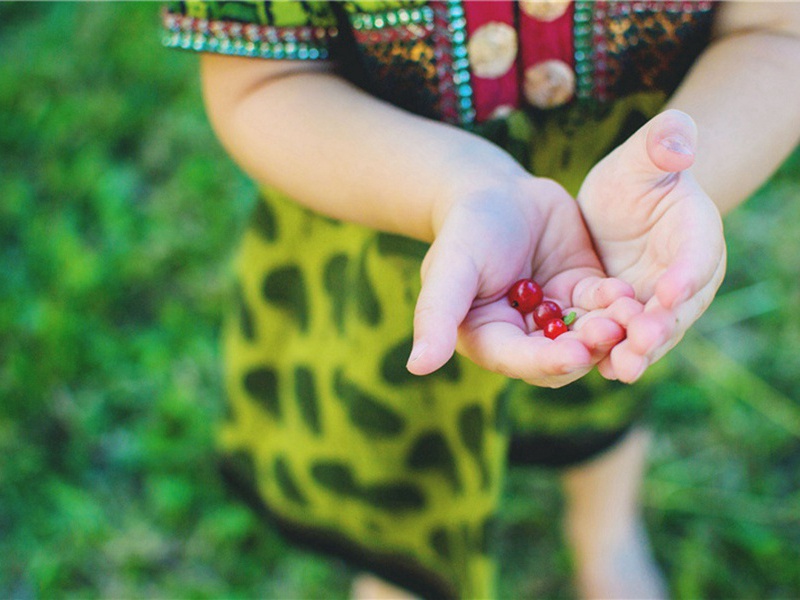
(744, 95)
(342, 152)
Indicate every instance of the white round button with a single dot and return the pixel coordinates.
(502, 111)
(544, 10)
(549, 84)
(492, 50)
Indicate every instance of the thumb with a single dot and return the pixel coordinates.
(665, 144)
(449, 285)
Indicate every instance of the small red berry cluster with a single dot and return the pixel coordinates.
(527, 297)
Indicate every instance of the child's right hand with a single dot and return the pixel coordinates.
(655, 227)
(485, 242)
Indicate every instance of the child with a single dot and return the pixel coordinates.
(395, 131)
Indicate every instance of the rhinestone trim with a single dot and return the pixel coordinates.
(240, 39)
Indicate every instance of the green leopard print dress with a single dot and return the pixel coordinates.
(340, 446)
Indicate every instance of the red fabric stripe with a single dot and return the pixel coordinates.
(543, 40)
(489, 94)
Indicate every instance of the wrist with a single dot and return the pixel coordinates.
(514, 189)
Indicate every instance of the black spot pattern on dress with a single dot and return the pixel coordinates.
(373, 417)
(393, 364)
(335, 282)
(263, 221)
(502, 418)
(286, 482)
(396, 496)
(234, 11)
(431, 452)
(471, 424)
(390, 244)
(633, 121)
(239, 466)
(366, 299)
(305, 390)
(439, 540)
(247, 325)
(487, 535)
(286, 288)
(335, 476)
(450, 370)
(394, 371)
(261, 383)
(338, 477)
(576, 393)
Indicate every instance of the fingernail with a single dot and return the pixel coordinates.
(677, 144)
(417, 350)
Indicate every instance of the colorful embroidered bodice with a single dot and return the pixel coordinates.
(465, 61)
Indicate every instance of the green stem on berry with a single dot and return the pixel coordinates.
(570, 318)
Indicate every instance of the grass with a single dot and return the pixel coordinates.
(118, 215)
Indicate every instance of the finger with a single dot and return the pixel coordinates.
(695, 267)
(449, 285)
(671, 141)
(593, 293)
(606, 368)
(623, 310)
(599, 335)
(620, 312)
(626, 366)
(650, 336)
(651, 329)
(681, 281)
(504, 348)
(665, 144)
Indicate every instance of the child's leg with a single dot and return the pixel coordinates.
(604, 524)
(370, 587)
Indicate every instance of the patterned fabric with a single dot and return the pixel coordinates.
(327, 432)
(415, 53)
(279, 30)
(645, 45)
(336, 436)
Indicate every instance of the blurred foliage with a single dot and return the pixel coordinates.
(118, 215)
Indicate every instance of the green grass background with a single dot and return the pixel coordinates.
(118, 216)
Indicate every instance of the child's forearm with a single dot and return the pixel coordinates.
(744, 95)
(343, 153)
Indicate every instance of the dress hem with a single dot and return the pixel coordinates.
(398, 570)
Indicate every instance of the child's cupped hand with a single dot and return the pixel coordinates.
(654, 227)
(489, 239)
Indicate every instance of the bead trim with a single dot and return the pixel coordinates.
(582, 36)
(241, 39)
(452, 62)
(402, 24)
(600, 51)
(402, 16)
(591, 64)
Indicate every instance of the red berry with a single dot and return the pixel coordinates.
(555, 328)
(525, 295)
(546, 311)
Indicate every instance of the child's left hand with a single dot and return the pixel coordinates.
(655, 228)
